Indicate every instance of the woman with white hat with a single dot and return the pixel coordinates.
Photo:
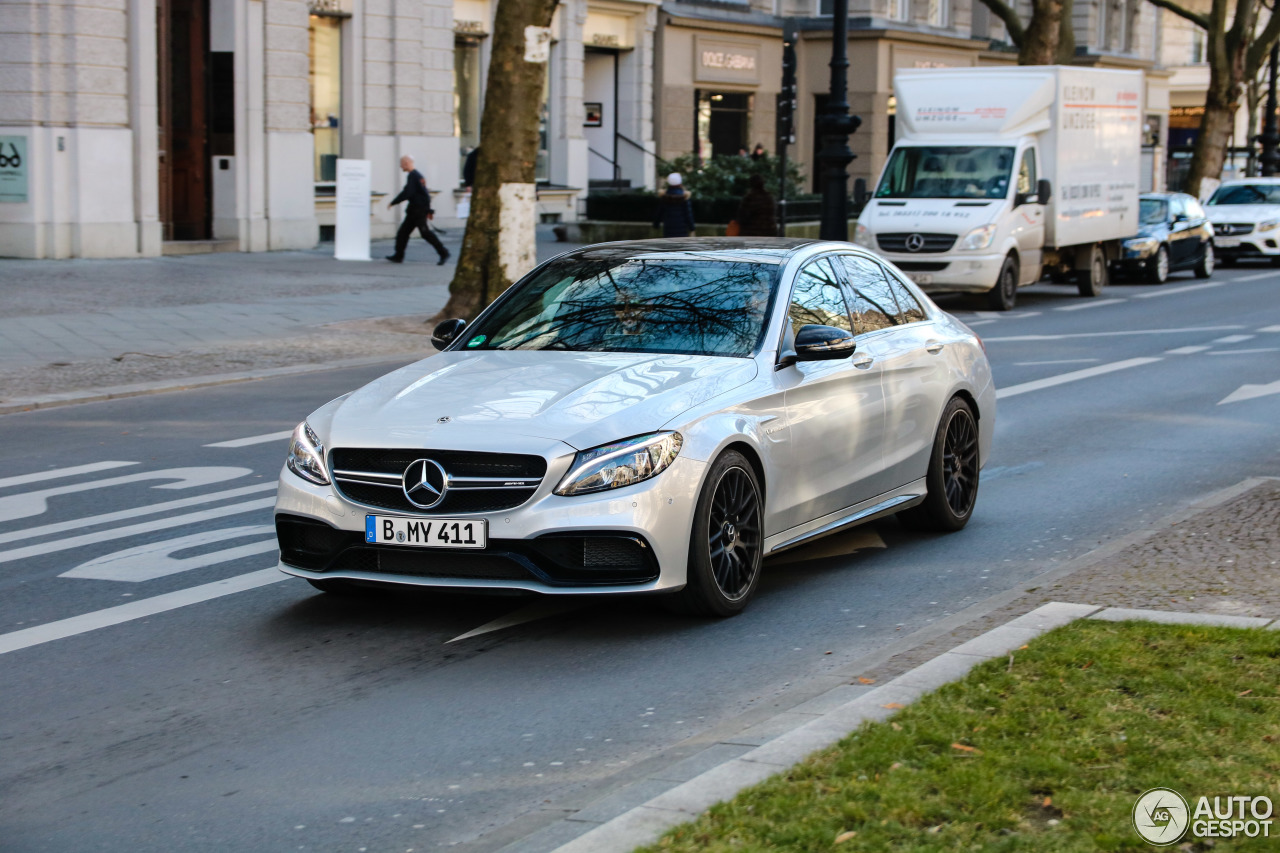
(675, 212)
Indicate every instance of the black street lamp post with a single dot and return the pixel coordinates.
(1269, 138)
(837, 124)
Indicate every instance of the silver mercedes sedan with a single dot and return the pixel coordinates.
(646, 417)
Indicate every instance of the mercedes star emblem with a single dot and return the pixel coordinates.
(915, 242)
(425, 483)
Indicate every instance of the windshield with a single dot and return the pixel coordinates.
(951, 171)
(1246, 194)
(686, 307)
(1151, 211)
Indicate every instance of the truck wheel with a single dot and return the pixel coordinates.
(1092, 280)
(1005, 293)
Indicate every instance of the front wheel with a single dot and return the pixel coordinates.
(1204, 267)
(726, 549)
(1158, 272)
(1090, 281)
(952, 479)
(1003, 296)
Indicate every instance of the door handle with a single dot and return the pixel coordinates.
(934, 347)
(862, 362)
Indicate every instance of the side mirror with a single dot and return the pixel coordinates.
(1179, 217)
(1044, 190)
(823, 343)
(447, 332)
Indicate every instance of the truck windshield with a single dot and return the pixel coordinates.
(951, 171)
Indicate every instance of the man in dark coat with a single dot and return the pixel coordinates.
(417, 215)
(756, 211)
(675, 212)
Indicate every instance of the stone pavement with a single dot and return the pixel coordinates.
(81, 325)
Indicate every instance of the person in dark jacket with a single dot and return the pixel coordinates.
(675, 212)
(756, 211)
(417, 215)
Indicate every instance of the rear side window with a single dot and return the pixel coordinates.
(1177, 205)
(874, 306)
(909, 308)
(817, 298)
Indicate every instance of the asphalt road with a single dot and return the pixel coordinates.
(277, 718)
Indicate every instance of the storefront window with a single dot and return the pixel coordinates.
(326, 94)
(466, 96)
(723, 122)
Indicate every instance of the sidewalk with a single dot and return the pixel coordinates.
(83, 325)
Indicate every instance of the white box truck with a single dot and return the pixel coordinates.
(1000, 175)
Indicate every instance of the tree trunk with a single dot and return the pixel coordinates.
(1040, 42)
(1066, 34)
(1210, 150)
(499, 244)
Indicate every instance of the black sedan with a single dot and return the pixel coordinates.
(1174, 234)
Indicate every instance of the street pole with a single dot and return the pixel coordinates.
(1269, 138)
(786, 115)
(837, 124)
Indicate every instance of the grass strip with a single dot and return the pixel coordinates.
(1048, 752)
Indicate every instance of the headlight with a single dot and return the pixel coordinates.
(1268, 225)
(306, 455)
(978, 238)
(612, 466)
(862, 236)
(1141, 244)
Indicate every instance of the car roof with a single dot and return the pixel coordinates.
(769, 250)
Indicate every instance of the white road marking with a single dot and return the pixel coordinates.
(1256, 277)
(36, 503)
(135, 512)
(529, 613)
(155, 560)
(253, 439)
(1073, 335)
(57, 473)
(50, 631)
(1187, 350)
(1059, 361)
(1080, 306)
(123, 532)
(1169, 291)
(1074, 376)
(1270, 329)
(1249, 392)
(1254, 351)
(1234, 339)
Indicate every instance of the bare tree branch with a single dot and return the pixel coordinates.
(1009, 16)
(1201, 21)
(1262, 45)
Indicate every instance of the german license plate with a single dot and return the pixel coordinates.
(426, 532)
(920, 277)
(1226, 242)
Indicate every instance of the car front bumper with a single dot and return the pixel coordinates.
(1257, 245)
(949, 272)
(634, 539)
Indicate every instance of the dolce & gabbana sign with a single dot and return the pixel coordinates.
(718, 60)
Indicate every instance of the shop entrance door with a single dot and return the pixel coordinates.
(724, 120)
(183, 42)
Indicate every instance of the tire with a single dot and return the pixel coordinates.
(1092, 280)
(1003, 296)
(1158, 272)
(952, 479)
(1204, 267)
(722, 579)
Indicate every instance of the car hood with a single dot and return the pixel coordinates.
(1242, 212)
(507, 400)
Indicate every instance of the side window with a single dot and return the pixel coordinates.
(874, 307)
(1176, 206)
(817, 298)
(1027, 172)
(911, 309)
(1194, 210)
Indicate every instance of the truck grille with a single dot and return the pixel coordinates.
(903, 242)
(477, 482)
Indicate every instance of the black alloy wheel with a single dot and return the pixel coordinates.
(726, 549)
(1204, 267)
(1003, 296)
(952, 479)
(1158, 272)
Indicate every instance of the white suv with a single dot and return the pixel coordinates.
(1246, 220)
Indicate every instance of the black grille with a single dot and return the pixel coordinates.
(932, 242)
(387, 492)
(1232, 229)
(921, 266)
(426, 563)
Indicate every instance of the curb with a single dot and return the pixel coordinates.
(162, 386)
(643, 824)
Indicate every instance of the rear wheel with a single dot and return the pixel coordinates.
(1092, 279)
(1003, 296)
(726, 549)
(1204, 267)
(952, 480)
(1158, 272)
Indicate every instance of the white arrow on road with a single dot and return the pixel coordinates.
(1249, 392)
(156, 560)
(26, 505)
